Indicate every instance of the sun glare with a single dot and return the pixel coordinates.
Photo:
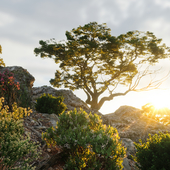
(160, 99)
(160, 105)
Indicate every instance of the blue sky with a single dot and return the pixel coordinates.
(24, 22)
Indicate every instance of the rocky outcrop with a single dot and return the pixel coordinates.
(71, 100)
(25, 80)
(21, 75)
(131, 123)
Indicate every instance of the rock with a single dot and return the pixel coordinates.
(26, 81)
(128, 163)
(131, 123)
(53, 118)
(129, 145)
(71, 100)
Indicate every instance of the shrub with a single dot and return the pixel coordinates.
(50, 104)
(16, 149)
(8, 87)
(1, 60)
(155, 153)
(86, 142)
(24, 98)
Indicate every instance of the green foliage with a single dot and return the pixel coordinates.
(160, 115)
(50, 104)
(1, 60)
(95, 61)
(16, 149)
(8, 87)
(24, 98)
(154, 154)
(86, 142)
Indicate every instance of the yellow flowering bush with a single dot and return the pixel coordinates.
(1, 60)
(86, 142)
(16, 149)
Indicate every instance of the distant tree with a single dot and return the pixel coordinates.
(95, 61)
(1, 60)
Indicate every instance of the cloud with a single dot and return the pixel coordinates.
(24, 22)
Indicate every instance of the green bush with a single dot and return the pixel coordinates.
(24, 98)
(16, 149)
(86, 142)
(155, 153)
(50, 104)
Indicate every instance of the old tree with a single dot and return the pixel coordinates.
(95, 61)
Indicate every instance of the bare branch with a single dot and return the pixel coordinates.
(153, 84)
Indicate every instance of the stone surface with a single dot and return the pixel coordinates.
(21, 75)
(25, 80)
(131, 123)
(128, 163)
(70, 99)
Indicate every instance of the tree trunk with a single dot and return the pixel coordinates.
(94, 103)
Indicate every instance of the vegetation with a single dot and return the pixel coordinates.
(86, 142)
(1, 60)
(50, 104)
(24, 98)
(154, 154)
(8, 87)
(95, 61)
(16, 149)
(160, 115)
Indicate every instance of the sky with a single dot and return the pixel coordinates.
(24, 22)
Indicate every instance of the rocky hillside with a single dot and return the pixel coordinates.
(129, 121)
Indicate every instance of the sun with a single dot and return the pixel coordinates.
(160, 105)
(160, 99)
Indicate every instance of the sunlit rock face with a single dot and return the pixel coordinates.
(131, 123)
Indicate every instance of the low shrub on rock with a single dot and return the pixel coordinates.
(16, 149)
(50, 104)
(155, 153)
(86, 142)
(8, 87)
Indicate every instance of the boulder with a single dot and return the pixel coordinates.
(71, 100)
(132, 124)
(25, 80)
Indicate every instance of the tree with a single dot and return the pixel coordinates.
(95, 61)
(1, 60)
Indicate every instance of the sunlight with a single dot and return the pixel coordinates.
(160, 99)
(158, 104)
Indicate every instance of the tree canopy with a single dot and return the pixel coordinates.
(95, 61)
